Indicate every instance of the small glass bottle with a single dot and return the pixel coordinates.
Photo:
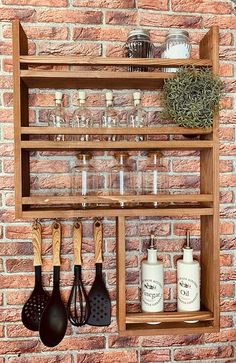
(109, 119)
(121, 177)
(57, 117)
(84, 181)
(81, 117)
(177, 45)
(138, 117)
(155, 179)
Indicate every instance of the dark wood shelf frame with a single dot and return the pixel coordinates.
(207, 203)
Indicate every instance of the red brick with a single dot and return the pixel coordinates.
(223, 336)
(6, 182)
(8, 134)
(226, 197)
(123, 342)
(224, 22)
(227, 274)
(69, 16)
(226, 259)
(228, 149)
(49, 166)
(77, 343)
(157, 355)
(151, 5)
(159, 229)
(59, 358)
(15, 281)
(180, 229)
(203, 353)
(18, 232)
(93, 33)
(173, 21)
(6, 115)
(12, 13)
(19, 346)
(228, 305)
(6, 82)
(228, 53)
(199, 6)
(121, 17)
(226, 228)
(117, 356)
(228, 212)
(226, 70)
(15, 331)
(52, 182)
(228, 180)
(226, 321)
(53, 3)
(226, 290)
(116, 4)
(40, 32)
(26, 265)
(71, 48)
(226, 103)
(168, 340)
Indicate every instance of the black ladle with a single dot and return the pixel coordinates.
(34, 306)
(53, 322)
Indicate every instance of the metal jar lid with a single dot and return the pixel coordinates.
(180, 32)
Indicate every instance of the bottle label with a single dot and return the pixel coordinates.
(187, 290)
(151, 292)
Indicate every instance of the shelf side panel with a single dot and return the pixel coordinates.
(209, 49)
(20, 47)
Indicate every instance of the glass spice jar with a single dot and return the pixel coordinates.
(176, 46)
(138, 45)
(84, 181)
(155, 180)
(121, 177)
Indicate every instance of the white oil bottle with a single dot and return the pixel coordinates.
(152, 282)
(188, 281)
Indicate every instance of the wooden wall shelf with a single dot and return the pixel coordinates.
(27, 74)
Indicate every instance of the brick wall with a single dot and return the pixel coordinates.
(100, 27)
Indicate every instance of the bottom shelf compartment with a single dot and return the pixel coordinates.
(167, 328)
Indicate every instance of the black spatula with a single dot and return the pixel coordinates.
(34, 306)
(99, 299)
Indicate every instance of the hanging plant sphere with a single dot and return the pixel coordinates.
(191, 97)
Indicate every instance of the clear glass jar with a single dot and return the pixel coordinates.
(138, 45)
(57, 117)
(138, 116)
(154, 176)
(121, 178)
(177, 45)
(84, 178)
(81, 116)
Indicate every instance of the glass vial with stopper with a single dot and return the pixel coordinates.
(177, 45)
(57, 117)
(84, 181)
(138, 117)
(121, 178)
(152, 282)
(188, 281)
(81, 115)
(154, 176)
(109, 119)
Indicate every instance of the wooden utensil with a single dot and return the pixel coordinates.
(34, 306)
(99, 299)
(53, 322)
(78, 308)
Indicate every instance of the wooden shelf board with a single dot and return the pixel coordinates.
(103, 61)
(65, 212)
(93, 79)
(115, 145)
(165, 130)
(168, 317)
(173, 328)
(161, 198)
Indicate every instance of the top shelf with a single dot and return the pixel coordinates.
(103, 61)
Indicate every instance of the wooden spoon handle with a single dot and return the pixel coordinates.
(56, 243)
(37, 243)
(77, 241)
(97, 232)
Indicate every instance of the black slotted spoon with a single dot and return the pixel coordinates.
(34, 306)
(99, 299)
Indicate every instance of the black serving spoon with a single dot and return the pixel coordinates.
(34, 306)
(53, 322)
(99, 299)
